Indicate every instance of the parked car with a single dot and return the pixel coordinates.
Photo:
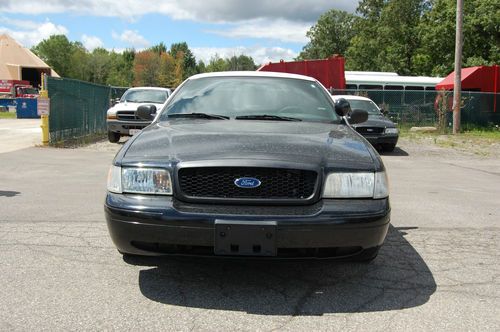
(249, 164)
(121, 119)
(380, 131)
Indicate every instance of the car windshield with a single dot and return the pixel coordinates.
(253, 98)
(145, 96)
(29, 91)
(366, 105)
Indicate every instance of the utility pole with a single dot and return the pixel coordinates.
(457, 91)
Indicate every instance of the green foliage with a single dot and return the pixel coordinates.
(159, 48)
(56, 51)
(189, 61)
(332, 34)
(216, 63)
(241, 62)
(437, 32)
(387, 36)
(201, 67)
(155, 66)
(121, 68)
(410, 37)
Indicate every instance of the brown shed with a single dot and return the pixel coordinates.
(19, 63)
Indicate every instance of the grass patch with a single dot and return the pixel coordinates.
(7, 115)
(488, 134)
(477, 141)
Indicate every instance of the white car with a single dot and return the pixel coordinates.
(121, 119)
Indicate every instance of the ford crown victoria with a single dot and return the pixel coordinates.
(249, 164)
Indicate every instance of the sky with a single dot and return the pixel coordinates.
(266, 30)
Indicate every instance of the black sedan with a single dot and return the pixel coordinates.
(249, 164)
(380, 131)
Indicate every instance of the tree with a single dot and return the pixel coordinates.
(216, 63)
(159, 48)
(56, 51)
(189, 61)
(201, 67)
(121, 68)
(79, 60)
(147, 68)
(332, 34)
(241, 62)
(386, 36)
(437, 32)
(99, 65)
(167, 71)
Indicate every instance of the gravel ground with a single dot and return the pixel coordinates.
(438, 269)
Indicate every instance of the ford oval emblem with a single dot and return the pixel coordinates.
(247, 182)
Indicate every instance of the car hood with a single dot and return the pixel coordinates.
(376, 121)
(128, 106)
(189, 140)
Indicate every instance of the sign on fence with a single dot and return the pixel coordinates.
(43, 106)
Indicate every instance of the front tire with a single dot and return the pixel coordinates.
(113, 137)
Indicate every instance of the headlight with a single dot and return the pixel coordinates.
(391, 130)
(111, 114)
(356, 185)
(139, 180)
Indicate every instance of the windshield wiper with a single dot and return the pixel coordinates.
(198, 116)
(266, 117)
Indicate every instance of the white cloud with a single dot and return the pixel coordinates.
(282, 30)
(282, 20)
(259, 54)
(91, 42)
(131, 38)
(208, 10)
(30, 32)
(23, 24)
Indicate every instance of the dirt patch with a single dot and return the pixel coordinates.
(450, 145)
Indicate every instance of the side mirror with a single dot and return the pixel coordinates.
(342, 107)
(146, 112)
(358, 116)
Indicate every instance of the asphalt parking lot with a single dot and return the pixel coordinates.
(437, 271)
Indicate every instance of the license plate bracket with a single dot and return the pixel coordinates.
(243, 238)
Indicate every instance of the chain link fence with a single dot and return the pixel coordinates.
(410, 108)
(78, 109)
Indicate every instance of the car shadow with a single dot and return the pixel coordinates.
(398, 278)
(9, 193)
(396, 152)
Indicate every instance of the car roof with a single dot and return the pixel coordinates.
(351, 97)
(149, 88)
(252, 74)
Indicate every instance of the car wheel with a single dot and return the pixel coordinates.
(367, 255)
(113, 137)
(388, 147)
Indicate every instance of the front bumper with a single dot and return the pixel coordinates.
(123, 127)
(152, 225)
(381, 139)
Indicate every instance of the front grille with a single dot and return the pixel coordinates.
(218, 182)
(370, 130)
(126, 116)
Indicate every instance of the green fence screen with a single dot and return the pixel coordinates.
(420, 108)
(77, 108)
